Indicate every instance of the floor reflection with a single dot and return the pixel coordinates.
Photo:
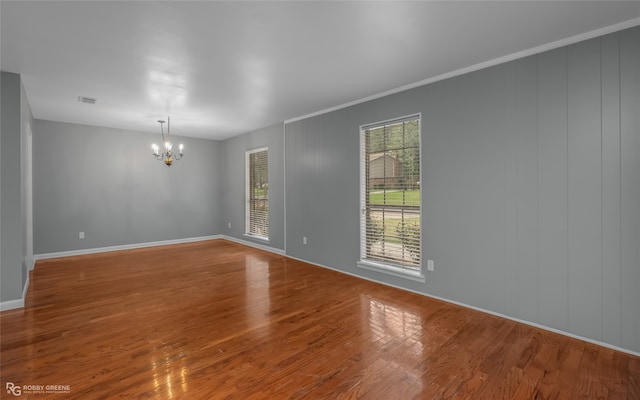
(387, 320)
(258, 301)
(166, 370)
(398, 333)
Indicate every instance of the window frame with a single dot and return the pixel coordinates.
(398, 269)
(248, 197)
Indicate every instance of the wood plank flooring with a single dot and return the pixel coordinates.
(218, 320)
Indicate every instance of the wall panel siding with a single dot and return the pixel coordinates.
(584, 189)
(630, 187)
(526, 154)
(611, 211)
(444, 203)
(511, 191)
(531, 186)
(552, 189)
(323, 184)
(468, 183)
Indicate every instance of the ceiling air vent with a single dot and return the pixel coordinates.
(88, 100)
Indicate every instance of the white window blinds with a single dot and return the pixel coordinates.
(257, 215)
(390, 193)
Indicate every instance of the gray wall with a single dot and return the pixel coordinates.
(104, 182)
(232, 176)
(530, 174)
(16, 114)
(531, 187)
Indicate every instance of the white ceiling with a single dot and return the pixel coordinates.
(221, 69)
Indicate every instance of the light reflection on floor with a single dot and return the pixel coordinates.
(386, 323)
(258, 301)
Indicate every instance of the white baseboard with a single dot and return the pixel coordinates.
(71, 253)
(11, 304)
(18, 303)
(26, 288)
(522, 321)
(45, 256)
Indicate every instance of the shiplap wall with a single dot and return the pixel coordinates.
(531, 187)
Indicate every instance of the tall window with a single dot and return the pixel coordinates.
(390, 196)
(257, 214)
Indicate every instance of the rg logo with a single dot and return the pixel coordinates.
(13, 389)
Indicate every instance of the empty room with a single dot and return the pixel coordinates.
(320, 199)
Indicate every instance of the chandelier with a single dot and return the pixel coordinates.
(168, 155)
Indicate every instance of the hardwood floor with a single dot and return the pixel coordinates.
(218, 320)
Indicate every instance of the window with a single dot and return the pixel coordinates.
(257, 214)
(390, 197)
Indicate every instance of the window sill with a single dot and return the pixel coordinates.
(414, 275)
(256, 237)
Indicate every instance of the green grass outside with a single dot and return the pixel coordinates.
(260, 193)
(396, 198)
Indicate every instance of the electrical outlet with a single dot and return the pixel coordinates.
(304, 240)
(430, 265)
(81, 235)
